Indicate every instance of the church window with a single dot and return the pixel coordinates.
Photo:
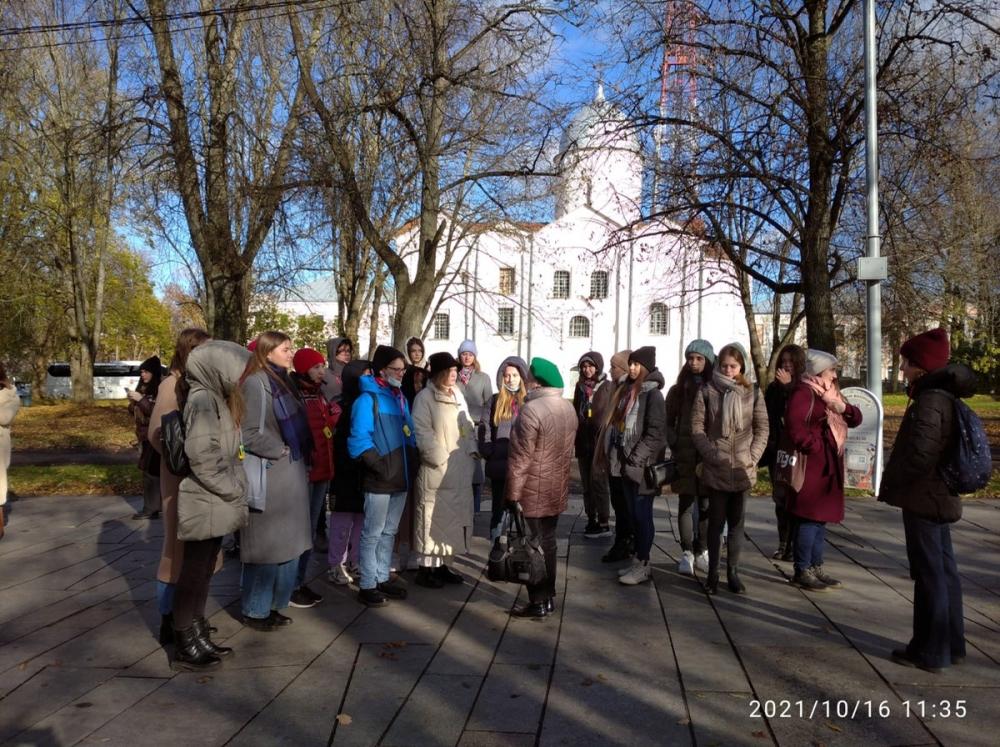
(599, 284)
(507, 281)
(505, 320)
(442, 326)
(659, 319)
(579, 326)
(560, 284)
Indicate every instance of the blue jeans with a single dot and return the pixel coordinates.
(641, 510)
(382, 514)
(809, 541)
(317, 496)
(267, 586)
(938, 627)
(165, 597)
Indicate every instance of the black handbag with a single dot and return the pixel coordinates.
(172, 436)
(661, 473)
(516, 558)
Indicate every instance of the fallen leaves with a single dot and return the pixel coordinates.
(344, 720)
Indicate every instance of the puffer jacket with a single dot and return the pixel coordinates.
(911, 480)
(494, 438)
(729, 463)
(382, 438)
(322, 417)
(590, 411)
(541, 450)
(680, 402)
(442, 511)
(630, 457)
(211, 501)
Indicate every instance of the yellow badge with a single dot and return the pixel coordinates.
(406, 430)
(327, 432)
(240, 452)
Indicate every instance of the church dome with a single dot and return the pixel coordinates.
(599, 124)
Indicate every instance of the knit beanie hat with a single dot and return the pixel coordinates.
(595, 358)
(252, 345)
(546, 373)
(384, 355)
(442, 362)
(818, 361)
(702, 348)
(306, 358)
(468, 346)
(646, 356)
(929, 350)
(152, 365)
(620, 359)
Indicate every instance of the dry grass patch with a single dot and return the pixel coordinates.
(104, 425)
(76, 479)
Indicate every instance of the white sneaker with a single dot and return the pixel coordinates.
(685, 566)
(701, 562)
(639, 573)
(338, 575)
(628, 569)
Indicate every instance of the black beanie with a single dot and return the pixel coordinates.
(442, 362)
(152, 365)
(384, 355)
(645, 356)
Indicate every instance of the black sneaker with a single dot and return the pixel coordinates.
(279, 620)
(394, 588)
(593, 529)
(617, 553)
(264, 625)
(372, 598)
(309, 592)
(447, 575)
(302, 599)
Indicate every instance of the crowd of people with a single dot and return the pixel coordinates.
(381, 463)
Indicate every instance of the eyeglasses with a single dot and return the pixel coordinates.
(395, 369)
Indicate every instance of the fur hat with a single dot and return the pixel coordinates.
(929, 350)
(702, 348)
(546, 373)
(442, 362)
(646, 356)
(384, 355)
(818, 361)
(306, 358)
(468, 346)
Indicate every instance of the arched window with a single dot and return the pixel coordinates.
(659, 319)
(579, 326)
(599, 284)
(560, 284)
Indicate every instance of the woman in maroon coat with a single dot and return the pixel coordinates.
(816, 424)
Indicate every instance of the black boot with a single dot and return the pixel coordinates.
(779, 554)
(733, 579)
(712, 582)
(167, 629)
(202, 631)
(189, 654)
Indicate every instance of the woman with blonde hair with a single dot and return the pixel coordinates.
(729, 427)
(277, 441)
(495, 426)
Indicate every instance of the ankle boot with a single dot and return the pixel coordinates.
(189, 655)
(201, 630)
(167, 629)
(712, 581)
(733, 579)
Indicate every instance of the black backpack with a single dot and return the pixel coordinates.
(172, 435)
(968, 463)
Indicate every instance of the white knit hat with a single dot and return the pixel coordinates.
(818, 361)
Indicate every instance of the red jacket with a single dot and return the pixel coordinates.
(822, 494)
(322, 417)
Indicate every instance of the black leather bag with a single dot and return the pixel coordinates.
(172, 436)
(515, 558)
(661, 473)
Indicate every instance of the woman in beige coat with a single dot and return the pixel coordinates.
(173, 549)
(9, 405)
(446, 440)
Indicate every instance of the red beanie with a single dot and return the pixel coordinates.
(305, 359)
(929, 350)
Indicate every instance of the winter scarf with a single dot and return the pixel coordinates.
(465, 373)
(291, 416)
(838, 426)
(732, 412)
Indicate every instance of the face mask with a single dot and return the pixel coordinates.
(394, 382)
(512, 389)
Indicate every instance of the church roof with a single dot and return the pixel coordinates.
(595, 124)
(321, 289)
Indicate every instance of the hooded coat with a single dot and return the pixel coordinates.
(679, 404)
(645, 447)
(729, 463)
(541, 452)
(211, 501)
(282, 531)
(349, 495)
(382, 438)
(10, 403)
(911, 480)
(494, 439)
(442, 511)
(590, 411)
(332, 383)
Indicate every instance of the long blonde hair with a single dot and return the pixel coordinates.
(734, 352)
(266, 342)
(505, 403)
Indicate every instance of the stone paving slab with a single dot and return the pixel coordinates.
(657, 664)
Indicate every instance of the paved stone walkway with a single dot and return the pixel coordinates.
(659, 664)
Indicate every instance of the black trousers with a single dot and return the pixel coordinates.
(624, 528)
(544, 528)
(191, 593)
(725, 508)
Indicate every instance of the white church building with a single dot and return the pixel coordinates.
(594, 278)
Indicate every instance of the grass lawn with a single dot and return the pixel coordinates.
(103, 425)
(76, 479)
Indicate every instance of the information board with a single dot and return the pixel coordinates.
(863, 451)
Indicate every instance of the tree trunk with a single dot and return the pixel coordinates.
(227, 293)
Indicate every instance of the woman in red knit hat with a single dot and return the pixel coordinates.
(911, 481)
